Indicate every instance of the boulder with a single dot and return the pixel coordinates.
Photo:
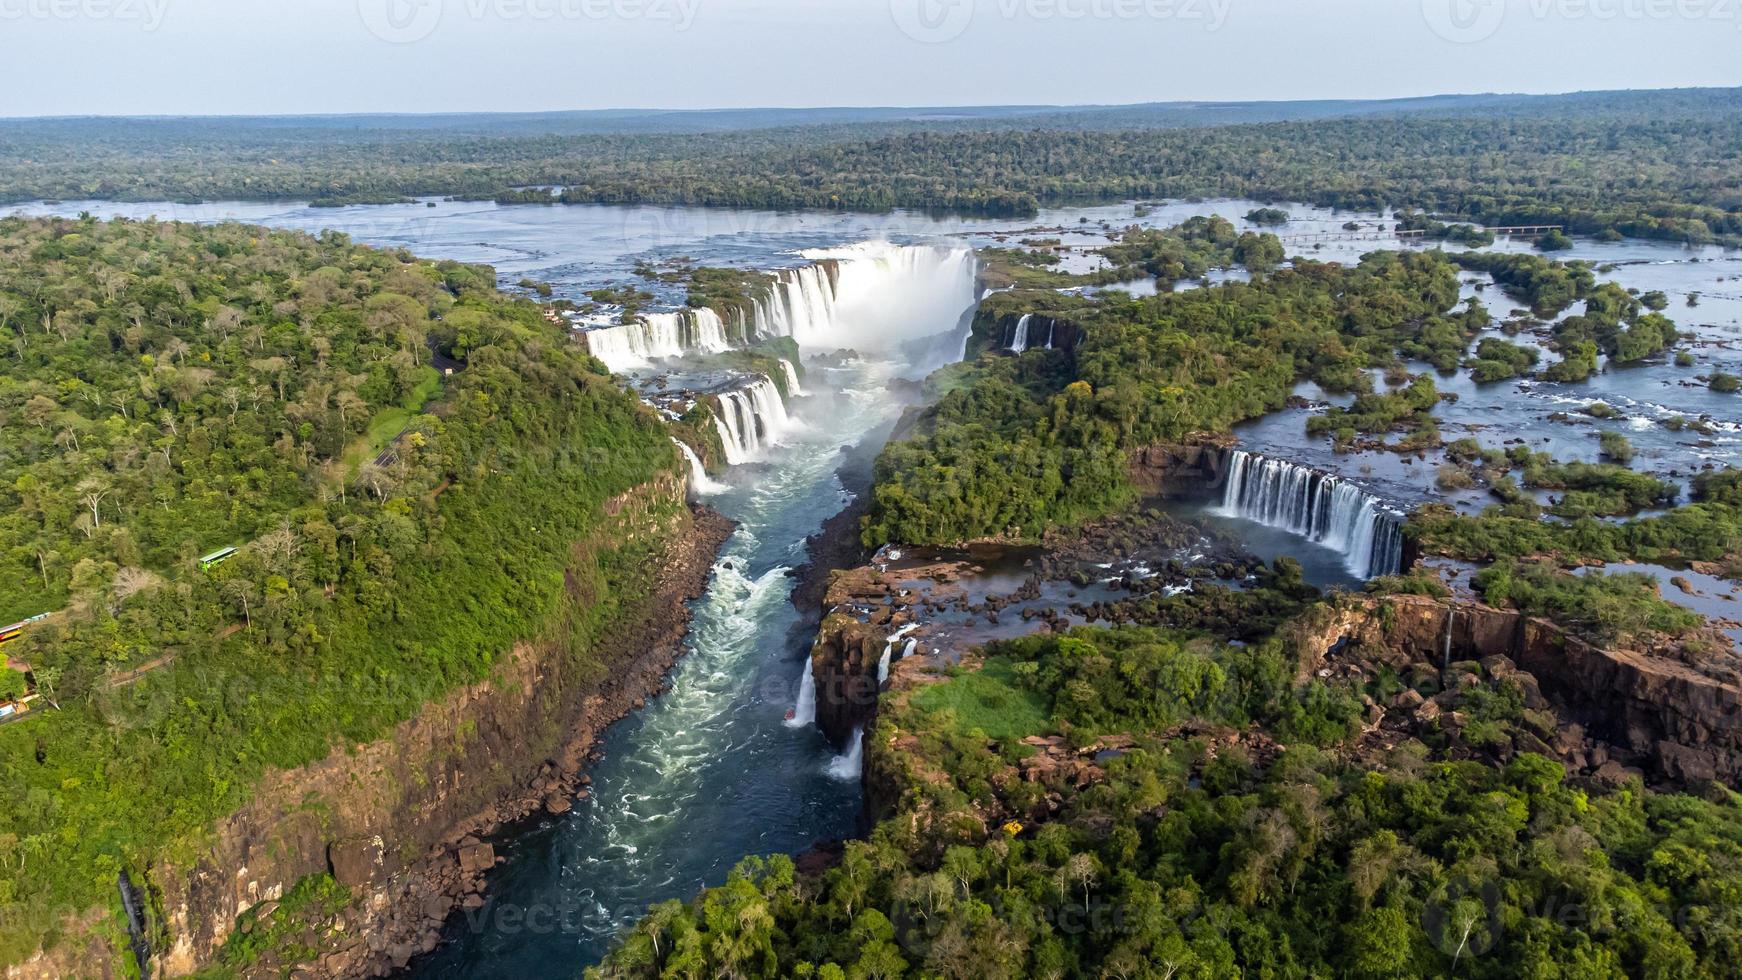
(476, 858)
(358, 862)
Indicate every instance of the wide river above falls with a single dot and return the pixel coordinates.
(711, 772)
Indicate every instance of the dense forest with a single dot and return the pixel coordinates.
(1135, 802)
(401, 455)
(1653, 165)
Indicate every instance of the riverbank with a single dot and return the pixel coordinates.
(401, 823)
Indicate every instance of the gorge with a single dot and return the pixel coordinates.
(727, 762)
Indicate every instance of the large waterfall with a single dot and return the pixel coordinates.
(870, 296)
(1318, 506)
(657, 335)
(873, 295)
(749, 419)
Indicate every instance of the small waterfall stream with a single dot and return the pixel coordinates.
(804, 710)
(700, 481)
(847, 766)
(1318, 506)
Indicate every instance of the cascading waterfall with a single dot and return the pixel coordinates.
(1019, 339)
(804, 710)
(870, 295)
(874, 295)
(657, 335)
(700, 481)
(792, 385)
(749, 419)
(1318, 506)
(848, 765)
(889, 651)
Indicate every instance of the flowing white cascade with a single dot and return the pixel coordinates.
(850, 763)
(792, 385)
(1051, 325)
(1318, 506)
(804, 710)
(700, 481)
(657, 335)
(750, 419)
(889, 648)
(866, 296)
(1019, 340)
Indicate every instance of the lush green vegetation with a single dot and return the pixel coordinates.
(1648, 164)
(1607, 608)
(1020, 443)
(1201, 847)
(172, 388)
(1497, 360)
(1709, 529)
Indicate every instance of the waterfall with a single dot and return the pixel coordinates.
(1446, 647)
(657, 335)
(866, 296)
(1051, 325)
(850, 763)
(1318, 506)
(749, 419)
(792, 385)
(804, 710)
(1019, 340)
(700, 482)
(870, 295)
(889, 650)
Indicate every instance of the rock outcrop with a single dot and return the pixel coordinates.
(1678, 722)
(1192, 469)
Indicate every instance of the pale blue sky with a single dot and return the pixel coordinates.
(283, 56)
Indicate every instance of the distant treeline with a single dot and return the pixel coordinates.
(1655, 165)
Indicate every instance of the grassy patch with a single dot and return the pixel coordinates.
(988, 699)
(391, 421)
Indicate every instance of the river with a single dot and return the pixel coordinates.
(710, 772)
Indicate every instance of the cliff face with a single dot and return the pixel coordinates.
(395, 820)
(1670, 718)
(1196, 468)
(864, 607)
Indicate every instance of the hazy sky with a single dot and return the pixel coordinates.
(286, 56)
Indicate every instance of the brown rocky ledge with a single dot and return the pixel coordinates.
(1672, 712)
(400, 821)
(1193, 468)
(865, 607)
